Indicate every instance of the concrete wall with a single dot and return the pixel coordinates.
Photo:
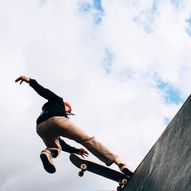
(167, 167)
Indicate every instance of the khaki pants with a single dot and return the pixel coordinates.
(51, 129)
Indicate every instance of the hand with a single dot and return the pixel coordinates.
(83, 153)
(22, 79)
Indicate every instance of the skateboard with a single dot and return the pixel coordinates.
(85, 165)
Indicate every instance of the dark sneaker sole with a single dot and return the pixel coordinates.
(48, 166)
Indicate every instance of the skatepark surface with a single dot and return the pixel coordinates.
(167, 166)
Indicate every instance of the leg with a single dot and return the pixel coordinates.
(64, 127)
(123, 167)
(67, 129)
(99, 150)
(51, 140)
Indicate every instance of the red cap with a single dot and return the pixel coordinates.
(68, 108)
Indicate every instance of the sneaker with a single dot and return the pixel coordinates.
(47, 162)
(124, 169)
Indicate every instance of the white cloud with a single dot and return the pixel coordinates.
(65, 51)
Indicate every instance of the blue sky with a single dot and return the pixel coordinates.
(123, 65)
(145, 18)
(172, 95)
(94, 6)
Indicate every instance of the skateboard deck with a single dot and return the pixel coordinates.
(85, 165)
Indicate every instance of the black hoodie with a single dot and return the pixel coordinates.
(54, 106)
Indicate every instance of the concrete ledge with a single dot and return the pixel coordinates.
(167, 167)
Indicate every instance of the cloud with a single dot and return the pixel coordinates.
(122, 65)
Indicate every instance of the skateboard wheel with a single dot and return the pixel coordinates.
(81, 173)
(119, 188)
(83, 167)
(124, 181)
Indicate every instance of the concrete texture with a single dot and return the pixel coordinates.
(167, 167)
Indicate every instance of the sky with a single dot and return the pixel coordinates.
(124, 65)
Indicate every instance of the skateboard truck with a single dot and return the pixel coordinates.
(83, 168)
(85, 165)
(122, 182)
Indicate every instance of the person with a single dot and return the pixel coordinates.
(53, 123)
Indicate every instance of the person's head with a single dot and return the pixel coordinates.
(68, 108)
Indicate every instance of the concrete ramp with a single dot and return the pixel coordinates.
(167, 167)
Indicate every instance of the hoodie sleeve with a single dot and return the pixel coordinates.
(45, 93)
(68, 148)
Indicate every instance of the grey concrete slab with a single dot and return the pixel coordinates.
(167, 167)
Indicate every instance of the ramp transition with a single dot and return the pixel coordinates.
(167, 166)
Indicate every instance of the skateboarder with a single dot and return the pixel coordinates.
(54, 123)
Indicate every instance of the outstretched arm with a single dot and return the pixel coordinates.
(46, 93)
(69, 149)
